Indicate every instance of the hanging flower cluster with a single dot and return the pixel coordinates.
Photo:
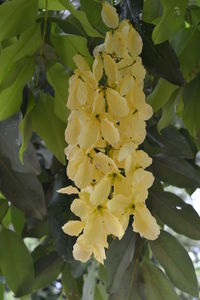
(105, 128)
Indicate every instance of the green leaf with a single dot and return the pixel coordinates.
(58, 78)
(3, 207)
(175, 213)
(9, 147)
(27, 44)
(176, 262)
(161, 94)
(72, 287)
(100, 292)
(23, 190)
(192, 107)
(169, 110)
(119, 257)
(176, 171)
(16, 263)
(90, 282)
(52, 5)
(16, 16)
(25, 128)
(93, 12)
(152, 9)
(69, 45)
(47, 268)
(82, 18)
(2, 291)
(173, 18)
(155, 285)
(18, 219)
(11, 97)
(48, 126)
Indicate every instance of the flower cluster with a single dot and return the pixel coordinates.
(105, 128)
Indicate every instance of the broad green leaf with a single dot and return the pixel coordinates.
(68, 45)
(189, 56)
(93, 12)
(3, 207)
(27, 44)
(16, 263)
(119, 257)
(192, 107)
(152, 9)
(175, 213)
(48, 126)
(52, 5)
(176, 171)
(161, 94)
(18, 219)
(47, 269)
(11, 97)
(16, 16)
(58, 215)
(100, 292)
(82, 18)
(25, 128)
(176, 262)
(69, 25)
(9, 147)
(169, 110)
(90, 282)
(72, 286)
(58, 78)
(171, 142)
(173, 18)
(155, 284)
(23, 190)
(2, 291)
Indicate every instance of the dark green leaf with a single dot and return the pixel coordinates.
(169, 110)
(192, 107)
(2, 291)
(152, 9)
(72, 286)
(52, 5)
(173, 18)
(82, 18)
(11, 97)
(154, 284)
(177, 214)
(23, 190)
(47, 269)
(68, 45)
(176, 262)
(9, 147)
(161, 94)
(176, 171)
(119, 257)
(16, 16)
(16, 263)
(18, 219)
(48, 126)
(58, 78)
(3, 207)
(27, 44)
(58, 214)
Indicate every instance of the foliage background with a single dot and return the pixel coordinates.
(38, 39)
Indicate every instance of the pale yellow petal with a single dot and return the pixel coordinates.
(125, 150)
(119, 43)
(146, 113)
(117, 104)
(112, 224)
(99, 253)
(101, 191)
(126, 85)
(73, 228)
(134, 42)
(89, 133)
(119, 203)
(68, 190)
(109, 132)
(90, 79)
(73, 128)
(109, 15)
(81, 63)
(143, 159)
(84, 174)
(99, 104)
(104, 163)
(97, 67)
(145, 224)
(82, 93)
(81, 252)
(111, 70)
(80, 208)
(142, 179)
(98, 49)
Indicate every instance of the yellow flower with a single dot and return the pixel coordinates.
(117, 104)
(111, 70)
(109, 15)
(134, 42)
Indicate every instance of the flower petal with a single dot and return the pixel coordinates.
(68, 190)
(109, 132)
(73, 228)
(109, 15)
(117, 104)
(101, 191)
